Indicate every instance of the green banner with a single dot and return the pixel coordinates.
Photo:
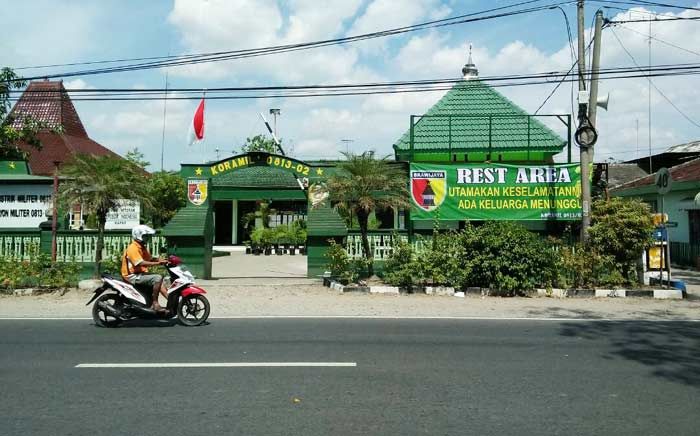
(496, 192)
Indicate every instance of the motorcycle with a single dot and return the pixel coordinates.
(117, 301)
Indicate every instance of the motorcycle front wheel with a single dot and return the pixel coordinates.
(100, 316)
(193, 310)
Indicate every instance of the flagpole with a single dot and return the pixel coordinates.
(204, 146)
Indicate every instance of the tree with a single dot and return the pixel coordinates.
(167, 192)
(364, 184)
(621, 228)
(136, 157)
(259, 143)
(96, 183)
(11, 135)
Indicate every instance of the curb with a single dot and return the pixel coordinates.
(661, 294)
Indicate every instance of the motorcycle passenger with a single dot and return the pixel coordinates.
(135, 263)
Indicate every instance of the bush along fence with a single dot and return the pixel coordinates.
(497, 258)
(74, 250)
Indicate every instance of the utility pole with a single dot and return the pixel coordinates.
(582, 115)
(651, 165)
(54, 213)
(595, 68)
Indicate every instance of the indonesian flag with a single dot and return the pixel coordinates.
(196, 132)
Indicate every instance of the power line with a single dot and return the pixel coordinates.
(653, 20)
(660, 40)
(573, 65)
(652, 83)
(344, 92)
(246, 53)
(194, 55)
(542, 77)
(647, 3)
(414, 27)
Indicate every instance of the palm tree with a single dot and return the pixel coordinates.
(364, 184)
(96, 183)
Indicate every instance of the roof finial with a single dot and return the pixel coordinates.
(469, 71)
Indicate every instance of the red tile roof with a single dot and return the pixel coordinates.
(49, 103)
(685, 172)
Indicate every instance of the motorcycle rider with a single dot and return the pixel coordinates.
(135, 263)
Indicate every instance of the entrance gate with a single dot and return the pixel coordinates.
(220, 194)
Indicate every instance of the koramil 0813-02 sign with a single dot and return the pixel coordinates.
(496, 192)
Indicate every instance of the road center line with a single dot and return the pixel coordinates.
(216, 365)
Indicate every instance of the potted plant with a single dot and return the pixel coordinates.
(301, 241)
(256, 238)
(248, 247)
(267, 241)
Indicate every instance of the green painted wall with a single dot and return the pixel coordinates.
(676, 205)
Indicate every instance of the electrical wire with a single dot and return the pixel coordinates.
(247, 53)
(573, 65)
(660, 40)
(653, 84)
(647, 3)
(541, 77)
(193, 55)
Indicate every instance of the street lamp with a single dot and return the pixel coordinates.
(274, 112)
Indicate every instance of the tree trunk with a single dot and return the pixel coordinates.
(101, 220)
(362, 219)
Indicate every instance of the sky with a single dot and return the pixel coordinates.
(62, 31)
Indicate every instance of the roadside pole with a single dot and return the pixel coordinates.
(582, 115)
(595, 68)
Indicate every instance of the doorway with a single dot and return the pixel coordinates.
(246, 223)
(223, 226)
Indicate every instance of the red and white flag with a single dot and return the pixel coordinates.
(196, 132)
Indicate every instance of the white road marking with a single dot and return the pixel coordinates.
(217, 365)
(380, 317)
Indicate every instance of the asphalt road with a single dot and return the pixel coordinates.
(434, 377)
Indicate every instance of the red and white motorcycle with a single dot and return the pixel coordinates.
(122, 301)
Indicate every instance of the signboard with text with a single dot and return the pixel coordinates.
(495, 192)
(125, 216)
(24, 206)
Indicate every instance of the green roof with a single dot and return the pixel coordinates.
(25, 178)
(188, 221)
(324, 221)
(13, 167)
(460, 122)
(257, 177)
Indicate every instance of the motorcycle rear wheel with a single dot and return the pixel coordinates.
(101, 318)
(193, 310)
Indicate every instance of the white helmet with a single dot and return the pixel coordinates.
(139, 231)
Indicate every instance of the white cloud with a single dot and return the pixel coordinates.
(40, 32)
(223, 25)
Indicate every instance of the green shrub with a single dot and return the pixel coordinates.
(112, 265)
(445, 262)
(343, 268)
(581, 267)
(400, 266)
(621, 228)
(507, 258)
(38, 271)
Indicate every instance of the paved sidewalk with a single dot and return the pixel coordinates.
(301, 297)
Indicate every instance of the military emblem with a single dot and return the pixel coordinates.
(428, 188)
(197, 191)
